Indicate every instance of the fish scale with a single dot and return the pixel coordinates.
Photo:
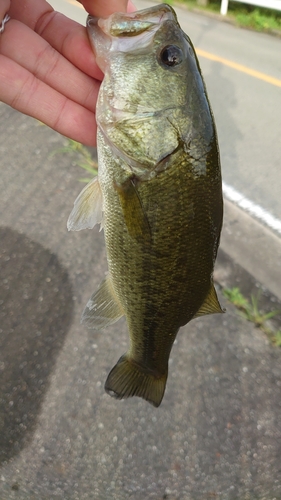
(158, 193)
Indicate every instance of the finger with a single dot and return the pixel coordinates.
(48, 65)
(131, 7)
(100, 8)
(29, 95)
(4, 7)
(66, 36)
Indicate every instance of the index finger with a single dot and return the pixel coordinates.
(100, 8)
(66, 36)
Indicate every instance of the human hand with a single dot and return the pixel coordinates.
(47, 67)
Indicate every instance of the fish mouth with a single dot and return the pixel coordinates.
(123, 32)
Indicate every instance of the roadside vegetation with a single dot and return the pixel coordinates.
(84, 160)
(250, 310)
(242, 14)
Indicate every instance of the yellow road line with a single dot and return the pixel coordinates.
(240, 67)
(226, 62)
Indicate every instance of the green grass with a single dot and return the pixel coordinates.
(85, 159)
(259, 20)
(250, 310)
(244, 15)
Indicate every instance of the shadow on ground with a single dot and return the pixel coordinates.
(35, 313)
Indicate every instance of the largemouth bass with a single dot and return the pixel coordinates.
(158, 193)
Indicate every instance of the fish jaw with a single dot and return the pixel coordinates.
(123, 32)
(155, 109)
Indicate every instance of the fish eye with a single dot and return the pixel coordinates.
(171, 55)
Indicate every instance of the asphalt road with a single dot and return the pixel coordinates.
(246, 108)
(217, 433)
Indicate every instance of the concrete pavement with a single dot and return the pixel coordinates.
(217, 433)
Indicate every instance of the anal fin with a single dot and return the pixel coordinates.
(210, 305)
(103, 308)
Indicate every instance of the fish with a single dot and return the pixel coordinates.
(158, 193)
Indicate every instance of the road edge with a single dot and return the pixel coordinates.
(252, 246)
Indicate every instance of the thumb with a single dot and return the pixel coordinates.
(100, 8)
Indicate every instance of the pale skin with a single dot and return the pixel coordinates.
(47, 66)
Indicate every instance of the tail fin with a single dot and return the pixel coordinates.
(128, 379)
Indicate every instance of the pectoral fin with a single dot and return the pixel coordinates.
(87, 210)
(103, 308)
(210, 305)
(136, 219)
